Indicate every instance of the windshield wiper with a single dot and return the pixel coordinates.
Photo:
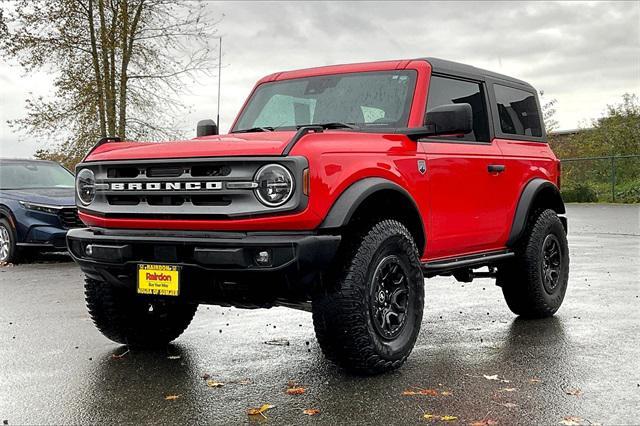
(333, 125)
(255, 129)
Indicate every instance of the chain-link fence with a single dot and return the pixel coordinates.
(613, 179)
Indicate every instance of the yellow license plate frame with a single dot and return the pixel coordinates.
(159, 280)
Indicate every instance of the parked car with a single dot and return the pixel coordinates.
(337, 190)
(37, 207)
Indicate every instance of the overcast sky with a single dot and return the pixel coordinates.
(585, 55)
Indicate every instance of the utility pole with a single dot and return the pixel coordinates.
(219, 79)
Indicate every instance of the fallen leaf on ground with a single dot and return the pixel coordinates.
(206, 376)
(260, 411)
(446, 393)
(573, 391)
(507, 390)
(174, 357)
(277, 342)
(572, 421)
(495, 377)
(418, 391)
(242, 382)
(171, 397)
(509, 404)
(214, 384)
(116, 356)
(295, 391)
(535, 380)
(428, 416)
(311, 411)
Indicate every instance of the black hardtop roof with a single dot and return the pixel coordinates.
(456, 68)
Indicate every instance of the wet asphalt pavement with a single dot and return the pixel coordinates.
(55, 367)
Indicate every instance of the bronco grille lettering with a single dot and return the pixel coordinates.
(166, 186)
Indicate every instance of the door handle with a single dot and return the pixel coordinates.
(496, 168)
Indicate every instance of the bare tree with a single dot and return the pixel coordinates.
(119, 67)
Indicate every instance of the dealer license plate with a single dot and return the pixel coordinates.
(159, 280)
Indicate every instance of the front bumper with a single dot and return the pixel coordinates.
(46, 237)
(217, 267)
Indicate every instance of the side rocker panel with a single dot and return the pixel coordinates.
(533, 190)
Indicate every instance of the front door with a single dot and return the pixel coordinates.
(467, 194)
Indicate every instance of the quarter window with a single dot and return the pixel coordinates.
(443, 91)
(518, 111)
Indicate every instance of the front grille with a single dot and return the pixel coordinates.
(69, 218)
(189, 187)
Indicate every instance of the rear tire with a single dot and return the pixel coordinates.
(124, 317)
(534, 285)
(369, 320)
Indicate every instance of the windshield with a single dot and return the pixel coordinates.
(34, 174)
(367, 99)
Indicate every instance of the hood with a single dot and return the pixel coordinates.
(238, 144)
(49, 196)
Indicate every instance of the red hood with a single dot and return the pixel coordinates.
(263, 143)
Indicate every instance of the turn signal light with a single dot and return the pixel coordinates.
(305, 182)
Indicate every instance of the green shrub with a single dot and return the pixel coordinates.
(579, 193)
(628, 192)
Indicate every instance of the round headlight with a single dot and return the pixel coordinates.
(275, 185)
(86, 186)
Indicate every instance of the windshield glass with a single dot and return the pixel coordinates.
(34, 174)
(367, 99)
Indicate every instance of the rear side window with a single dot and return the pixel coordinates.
(444, 90)
(518, 111)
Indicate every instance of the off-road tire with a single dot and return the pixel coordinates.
(522, 280)
(342, 316)
(126, 318)
(13, 252)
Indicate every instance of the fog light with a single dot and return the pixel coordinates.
(263, 258)
(88, 250)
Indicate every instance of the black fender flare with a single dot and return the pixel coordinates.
(352, 198)
(535, 188)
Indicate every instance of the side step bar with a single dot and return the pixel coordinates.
(447, 266)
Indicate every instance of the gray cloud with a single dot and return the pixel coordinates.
(584, 54)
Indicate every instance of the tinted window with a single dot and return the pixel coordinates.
(368, 99)
(518, 111)
(444, 91)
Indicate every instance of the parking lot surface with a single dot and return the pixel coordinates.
(474, 360)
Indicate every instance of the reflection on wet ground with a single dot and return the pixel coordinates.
(482, 362)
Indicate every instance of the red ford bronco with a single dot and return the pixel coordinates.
(337, 190)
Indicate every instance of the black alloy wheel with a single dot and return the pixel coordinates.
(551, 263)
(389, 297)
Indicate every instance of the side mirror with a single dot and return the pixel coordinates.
(206, 128)
(450, 119)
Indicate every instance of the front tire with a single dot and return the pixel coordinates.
(534, 285)
(369, 320)
(8, 248)
(124, 317)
